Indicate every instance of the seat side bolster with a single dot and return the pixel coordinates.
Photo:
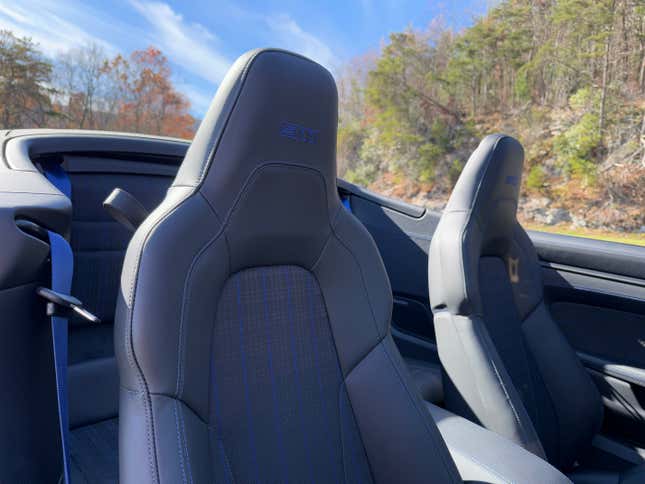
(474, 368)
(482, 455)
(386, 403)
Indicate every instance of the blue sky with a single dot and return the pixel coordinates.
(202, 38)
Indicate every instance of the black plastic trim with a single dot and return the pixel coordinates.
(630, 374)
(593, 273)
(391, 203)
(19, 151)
(112, 164)
(609, 257)
(33, 229)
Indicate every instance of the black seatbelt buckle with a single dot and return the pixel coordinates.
(63, 305)
(125, 209)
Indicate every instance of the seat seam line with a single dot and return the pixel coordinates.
(186, 298)
(473, 459)
(179, 444)
(502, 385)
(360, 270)
(402, 382)
(134, 364)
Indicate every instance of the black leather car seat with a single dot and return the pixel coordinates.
(507, 365)
(252, 330)
(427, 378)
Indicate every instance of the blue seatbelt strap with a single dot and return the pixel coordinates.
(62, 270)
(346, 203)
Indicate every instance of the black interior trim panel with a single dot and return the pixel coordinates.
(626, 373)
(19, 151)
(398, 205)
(93, 164)
(608, 257)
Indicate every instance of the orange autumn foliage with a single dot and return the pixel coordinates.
(147, 101)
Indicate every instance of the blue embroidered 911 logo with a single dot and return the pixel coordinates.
(298, 133)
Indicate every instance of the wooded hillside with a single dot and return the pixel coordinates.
(566, 77)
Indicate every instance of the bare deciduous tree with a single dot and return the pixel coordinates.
(79, 78)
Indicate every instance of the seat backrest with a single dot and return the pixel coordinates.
(252, 326)
(507, 364)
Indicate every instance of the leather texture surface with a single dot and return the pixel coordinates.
(94, 453)
(486, 456)
(508, 366)
(250, 248)
(99, 244)
(427, 378)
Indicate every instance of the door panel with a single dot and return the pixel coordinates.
(595, 291)
(602, 314)
(607, 257)
(609, 334)
(29, 438)
(402, 234)
(29, 206)
(413, 317)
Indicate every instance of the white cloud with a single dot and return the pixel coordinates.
(291, 36)
(279, 29)
(14, 14)
(59, 25)
(44, 22)
(189, 45)
(194, 50)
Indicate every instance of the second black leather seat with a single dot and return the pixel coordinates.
(507, 365)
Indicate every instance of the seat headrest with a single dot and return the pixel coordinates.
(489, 185)
(273, 106)
(479, 221)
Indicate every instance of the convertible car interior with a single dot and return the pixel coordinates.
(228, 310)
